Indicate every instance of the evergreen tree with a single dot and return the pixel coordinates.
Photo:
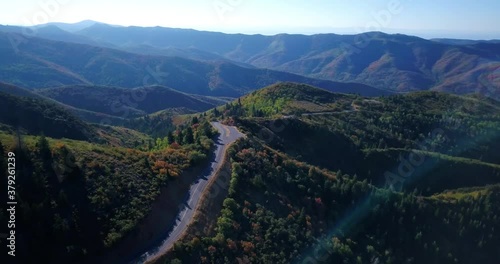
(194, 120)
(180, 137)
(170, 137)
(150, 144)
(188, 137)
(43, 148)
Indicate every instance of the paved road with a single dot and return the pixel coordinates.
(328, 112)
(228, 135)
(321, 113)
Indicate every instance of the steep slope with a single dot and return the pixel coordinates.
(39, 63)
(89, 116)
(38, 116)
(87, 197)
(88, 186)
(280, 210)
(18, 91)
(126, 103)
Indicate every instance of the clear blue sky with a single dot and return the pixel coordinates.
(427, 18)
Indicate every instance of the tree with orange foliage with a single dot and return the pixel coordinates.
(247, 246)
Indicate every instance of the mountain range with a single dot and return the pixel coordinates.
(38, 63)
(392, 62)
(396, 63)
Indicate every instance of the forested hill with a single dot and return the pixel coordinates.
(323, 123)
(411, 178)
(127, 103)
(88, 188)
(336, 178)
(37, 116)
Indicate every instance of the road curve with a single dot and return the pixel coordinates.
(227, 135)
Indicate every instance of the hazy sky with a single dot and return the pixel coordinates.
(427, 18)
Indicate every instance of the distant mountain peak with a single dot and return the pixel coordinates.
(71, 27)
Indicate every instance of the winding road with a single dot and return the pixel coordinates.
(227, 135)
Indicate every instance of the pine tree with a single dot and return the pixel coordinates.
(194, 120)
(170, 137)
(188, 137)
(43, 148)
(180, 137)
(150, 144)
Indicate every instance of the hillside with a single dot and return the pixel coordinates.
(436, 102)
(38, 63)
(455, 135)
(86, 115)
(88, 197)
(37, 116)
(339, 131)
(293, 98)
(316, 170)
(87, 186)
(335, 178)
(284, 211)
(18, 91)
(126, 103)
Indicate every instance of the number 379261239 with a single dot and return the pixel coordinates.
(11, 170)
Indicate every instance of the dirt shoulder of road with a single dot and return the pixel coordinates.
(157, 223)
(205, 215)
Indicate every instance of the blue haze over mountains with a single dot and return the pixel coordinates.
(219, 64)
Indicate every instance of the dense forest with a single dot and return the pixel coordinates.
(127, 103)
(35, 116)
(319, 177)
(280, 210)
(85, 196)
(332, 178)
(432, 137)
